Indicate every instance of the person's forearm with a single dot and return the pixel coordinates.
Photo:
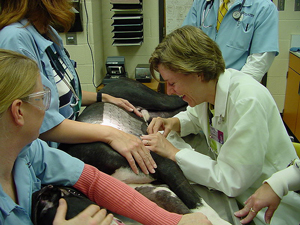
(258, 64)
(118, 197)
(176, 124)
(71, 132)
(285, 180)
(88, 98)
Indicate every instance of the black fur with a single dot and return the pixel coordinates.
(140, 95)
(108, 160)
(45, 203)
(164, 199)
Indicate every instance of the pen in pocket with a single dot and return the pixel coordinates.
(247, 27)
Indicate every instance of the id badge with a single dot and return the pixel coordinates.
(216, 135)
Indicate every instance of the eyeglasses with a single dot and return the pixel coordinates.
(40, 100)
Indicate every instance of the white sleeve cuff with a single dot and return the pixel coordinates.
(285, 180)
(258, 64)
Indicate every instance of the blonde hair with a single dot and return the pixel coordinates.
(18, 76)
(189, 50)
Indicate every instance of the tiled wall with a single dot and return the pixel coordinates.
(81, 52)
(289, 23)
(100, 39)
(133, 54)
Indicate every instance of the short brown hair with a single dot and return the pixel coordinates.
(189, 50)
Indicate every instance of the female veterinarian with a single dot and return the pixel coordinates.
(25, 27)
(26, 162)
(237, 114)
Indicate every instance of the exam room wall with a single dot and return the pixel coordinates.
(289, 23)
(133, 54)
(100, 40)
(81, 51)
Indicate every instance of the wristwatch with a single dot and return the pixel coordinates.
(99, 96)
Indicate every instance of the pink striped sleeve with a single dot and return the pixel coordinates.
(119, 198)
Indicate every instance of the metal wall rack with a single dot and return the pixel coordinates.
(127, 22)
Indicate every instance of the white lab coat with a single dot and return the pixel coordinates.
(256, 144)
(286, 180)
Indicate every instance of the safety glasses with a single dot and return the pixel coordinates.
(40, 100)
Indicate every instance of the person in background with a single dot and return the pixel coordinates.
(247, 35)
(271, 192)
(25, 27)
(237, 115)
(27, 163)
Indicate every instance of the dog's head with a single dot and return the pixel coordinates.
(45, 203)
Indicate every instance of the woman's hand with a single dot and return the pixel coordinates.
(92, 215)
(263, 197)
(121, 103)
(160, 145)
(194, 219)
(166, 125)
(133, 149)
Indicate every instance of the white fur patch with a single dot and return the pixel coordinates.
(145, 114)
(127, 176)
(211, 214)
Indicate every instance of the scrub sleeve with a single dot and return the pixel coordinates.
(120, 198)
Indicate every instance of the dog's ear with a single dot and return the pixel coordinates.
(76, 201)
(44, 205)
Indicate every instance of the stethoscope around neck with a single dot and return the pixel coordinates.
(208, 5)
(59, 69)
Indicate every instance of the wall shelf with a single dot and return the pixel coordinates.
(127, 23)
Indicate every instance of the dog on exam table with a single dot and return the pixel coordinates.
(179, 197)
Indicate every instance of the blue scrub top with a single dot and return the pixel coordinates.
(37, 164)
(27, 41)
(255, 32)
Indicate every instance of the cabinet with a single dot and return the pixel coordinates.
(291, 113)
(154, 85)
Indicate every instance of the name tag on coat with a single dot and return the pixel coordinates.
(216, 135)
